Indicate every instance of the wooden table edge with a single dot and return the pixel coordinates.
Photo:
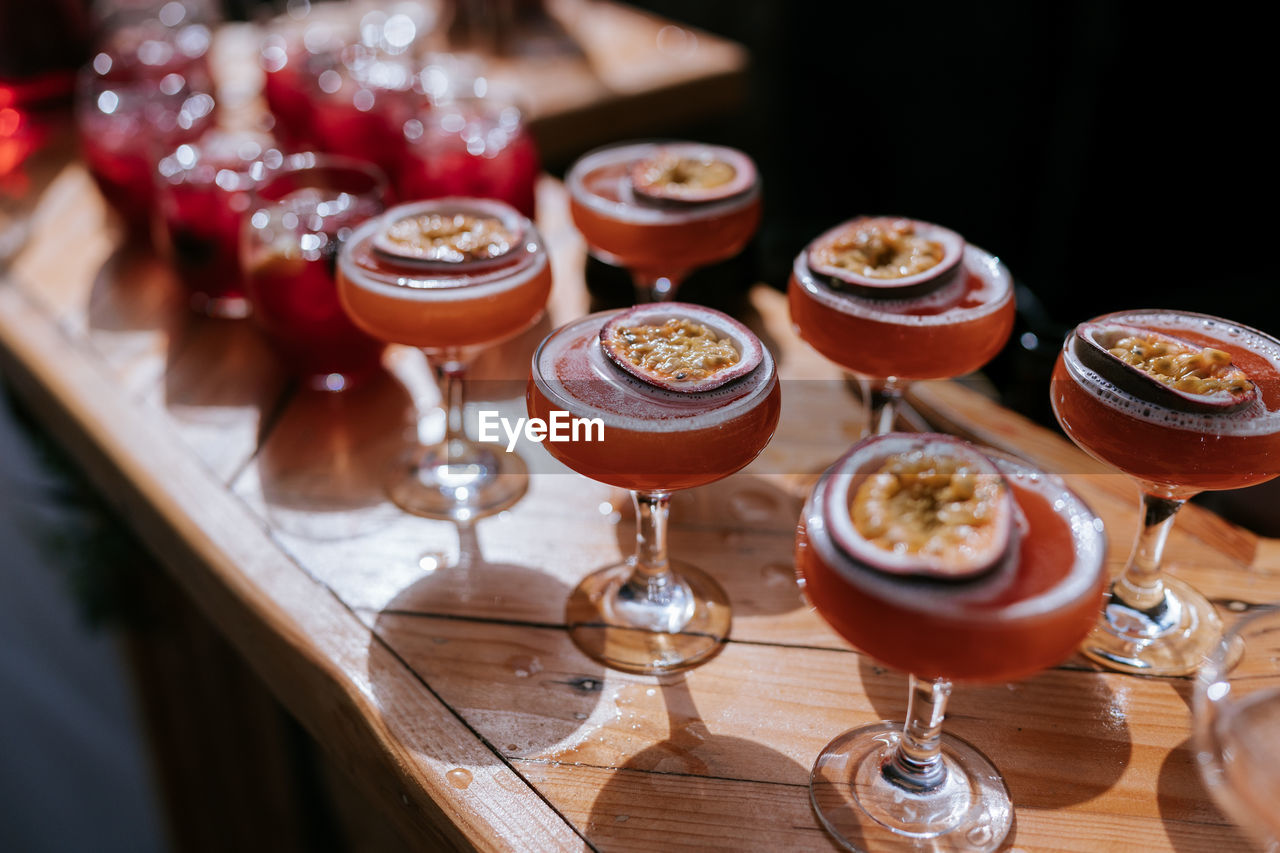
(235, 574)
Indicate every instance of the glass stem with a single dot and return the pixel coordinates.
(651, 577)
(450, 368)
(917, 762)
(1140, 586)
(882, 405)
(651, 287)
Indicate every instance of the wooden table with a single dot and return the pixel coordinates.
(431, 662)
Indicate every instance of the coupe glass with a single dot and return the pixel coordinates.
(648, 614)
(299, 215)
(1154, 624)
(452, 316)
(660, 244)
(1237, 724)
(888, 343)
(895, 785)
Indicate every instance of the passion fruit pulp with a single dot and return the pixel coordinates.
(1163, 369)
(922, 505)
(681, 347)
(692, 174)
(887, 257)
(470, 233)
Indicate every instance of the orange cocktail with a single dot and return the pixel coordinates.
(660, 433)
(664, 223)
(653, 439)
(450, 276)
(1202, 413)
(922, 330)
(949, 562)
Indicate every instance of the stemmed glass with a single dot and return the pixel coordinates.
(649, 613)
(450, 276)
(896, 300)
(663, 209)
(895, 785)
(1172, 447)
(1237, 724)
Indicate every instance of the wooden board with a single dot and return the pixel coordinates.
(431, 661)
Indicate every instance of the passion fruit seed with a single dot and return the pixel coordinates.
(679, 349)
(925, 505)
(451, 238)
(880, 248)
(1182, 367)
(674, 173)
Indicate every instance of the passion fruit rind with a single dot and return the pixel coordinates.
(450, 234)
(685, 174)
(1164, 370)
(885, 257)
(680, 347)
(923, 505)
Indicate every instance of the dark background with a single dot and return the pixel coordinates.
(1114, 155)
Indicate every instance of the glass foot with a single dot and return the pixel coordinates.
(970, 810)
(1172, 637)
(459, 481)
(616, 623)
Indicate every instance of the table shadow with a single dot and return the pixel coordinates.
(688, 771)
(474, 632)
(323, 463)
(135, 290)
(1183, 797)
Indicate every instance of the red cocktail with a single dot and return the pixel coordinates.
(650, 614)
(932, 321)
(951, 563)
(299, 216)
(203, 193)
(450, 276)
(1180, 402)
(125, 127)
(470, 147)
(664, 209)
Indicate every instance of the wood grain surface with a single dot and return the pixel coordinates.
(431, 662)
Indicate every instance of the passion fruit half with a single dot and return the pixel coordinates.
(457, 235)
(688, 173)
(681, 347)
(924, 505)
(1163, 369)
(887, 257)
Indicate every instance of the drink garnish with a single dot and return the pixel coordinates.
(929, 506)
(449, 239)
(692, 174)
(680, 347)
(1163, 369)
(887, 257)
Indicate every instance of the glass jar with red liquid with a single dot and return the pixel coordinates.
(471, 144)
(300, 214)
(203, 193)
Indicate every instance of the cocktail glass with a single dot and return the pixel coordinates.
(1236, 715)
(888, 341)
(660, 242)
(202, 195)
(1154, 624)
(451, 312)
(648, 614)
(298, 217)
(908, 785)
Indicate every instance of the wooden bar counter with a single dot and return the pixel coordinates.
(430, 661)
